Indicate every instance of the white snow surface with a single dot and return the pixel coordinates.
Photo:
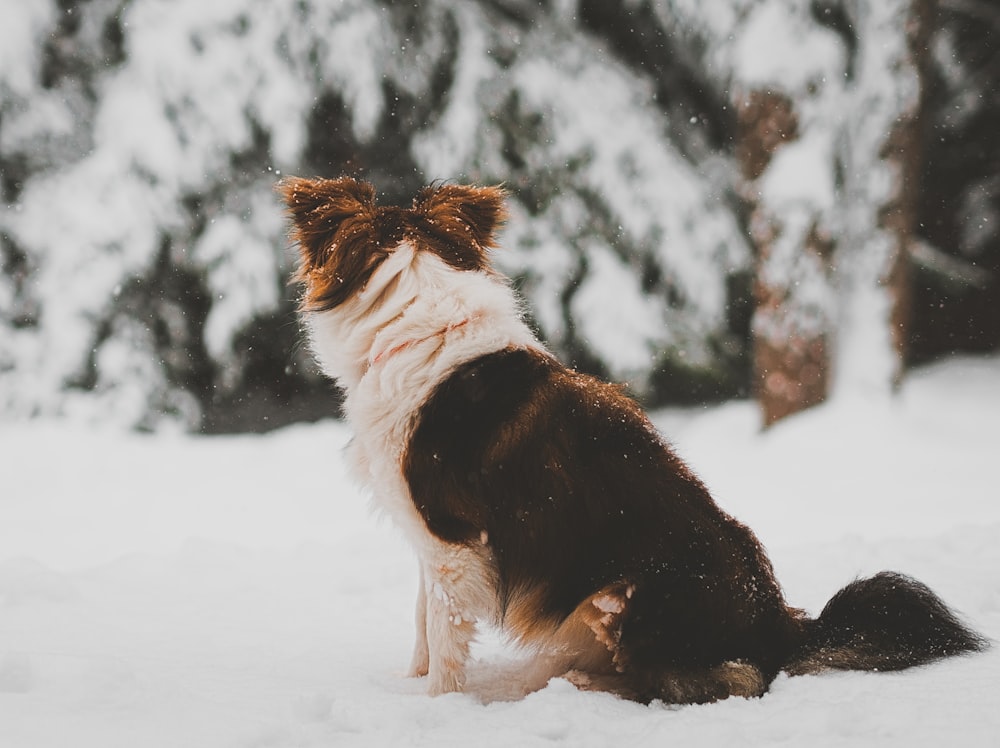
(172, 590)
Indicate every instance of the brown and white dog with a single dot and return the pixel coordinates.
(542, 500)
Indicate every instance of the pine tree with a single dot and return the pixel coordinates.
(691, 183)
(150, 250)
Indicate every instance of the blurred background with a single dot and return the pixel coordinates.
(710, 199)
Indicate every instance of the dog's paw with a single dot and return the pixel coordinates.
(446, 681)
(420, 662)
(579, 679)
(418, 669)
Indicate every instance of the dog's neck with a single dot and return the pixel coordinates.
(375, 344)
(380, 356)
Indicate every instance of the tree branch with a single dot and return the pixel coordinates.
(985, 10)
(957, 269)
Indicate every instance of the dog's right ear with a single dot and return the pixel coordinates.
(320, 208)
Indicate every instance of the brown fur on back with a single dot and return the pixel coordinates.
(577, 493)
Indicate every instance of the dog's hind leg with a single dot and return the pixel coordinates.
(571, 648)
(583, 642)
(604, 613)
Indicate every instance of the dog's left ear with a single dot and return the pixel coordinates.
(321, 207)
(479, 211)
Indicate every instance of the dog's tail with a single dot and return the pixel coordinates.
(886, 622)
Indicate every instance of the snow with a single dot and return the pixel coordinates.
(800, 173)
(628, 321)
(781, 45)
(633, 171)
(350, 51)
(447, 148)
(239, 256)
(168, 590)
(22, 27)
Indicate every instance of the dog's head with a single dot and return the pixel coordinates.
(343, 236)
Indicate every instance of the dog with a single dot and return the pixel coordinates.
(542, 500)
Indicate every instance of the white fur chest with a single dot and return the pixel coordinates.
(430, 319)
(382, 414)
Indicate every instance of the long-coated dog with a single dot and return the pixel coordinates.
(541, 500)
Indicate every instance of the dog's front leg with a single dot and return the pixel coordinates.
(450, 586)
(420, 663)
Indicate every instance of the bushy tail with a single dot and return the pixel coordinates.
(887, 622)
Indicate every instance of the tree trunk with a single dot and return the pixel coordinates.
(832, 273)
(904, 152)
(882, 189)
(792, 285)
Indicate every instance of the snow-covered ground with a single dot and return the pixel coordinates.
(235, 592)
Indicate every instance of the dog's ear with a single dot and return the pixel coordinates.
(320, 208)
(475, 211)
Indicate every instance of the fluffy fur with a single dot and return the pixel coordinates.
(541, 500)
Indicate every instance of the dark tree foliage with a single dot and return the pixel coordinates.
(957, 283)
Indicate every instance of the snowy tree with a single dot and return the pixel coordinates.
(834, 104)
(830, 97)
(673, 166)
(142, 139)
(152, 240)
(787, 71)
(621, 280)
(828, 101)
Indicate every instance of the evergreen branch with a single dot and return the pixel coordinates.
(984, 10)
(959, 270)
